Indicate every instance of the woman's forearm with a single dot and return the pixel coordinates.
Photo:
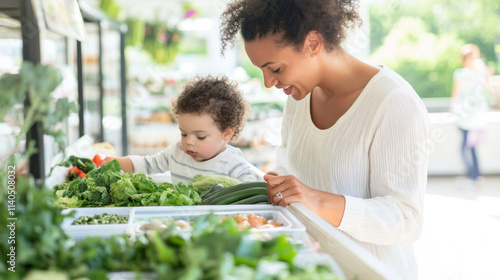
(330, 207)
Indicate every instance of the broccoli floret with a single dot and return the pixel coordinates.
(82, 185)
(99, 179)
(97, 195)
(73, 189)
(121, 190)
(203, 183)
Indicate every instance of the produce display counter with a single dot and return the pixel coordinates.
(320, 242)
(355, 261)
(345, 257)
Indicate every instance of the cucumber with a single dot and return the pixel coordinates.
(209, 197)
(237, 195)
(212, 189)
(256, 199)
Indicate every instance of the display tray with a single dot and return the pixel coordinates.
(104, 230)
(278, 214)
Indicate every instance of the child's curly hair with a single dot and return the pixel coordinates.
(292, 20)
(216, 96)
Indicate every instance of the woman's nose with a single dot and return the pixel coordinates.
(269, 80)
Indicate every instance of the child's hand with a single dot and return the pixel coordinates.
(106, 160)
(125, 163)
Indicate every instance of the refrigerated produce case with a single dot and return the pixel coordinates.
(319, 241)
(353, 261)
(34, 35)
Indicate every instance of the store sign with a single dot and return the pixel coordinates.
(62, 17)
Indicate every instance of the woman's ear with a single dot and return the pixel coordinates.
(228, 133)
(313, 43)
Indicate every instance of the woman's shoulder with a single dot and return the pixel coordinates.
(388, 87)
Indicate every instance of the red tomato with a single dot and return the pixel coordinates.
(97, 160)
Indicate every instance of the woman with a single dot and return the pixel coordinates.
(469, 103)
(353, 135)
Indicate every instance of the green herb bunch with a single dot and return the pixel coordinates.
(34, 85)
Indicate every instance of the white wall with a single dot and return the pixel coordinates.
(445, 158)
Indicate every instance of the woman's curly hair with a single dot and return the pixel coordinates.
(218, 97)
(292, 20)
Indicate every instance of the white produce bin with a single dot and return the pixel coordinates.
(81, 231)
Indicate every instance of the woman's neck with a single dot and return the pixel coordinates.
(343, 74)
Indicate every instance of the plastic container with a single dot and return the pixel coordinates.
(81, 231)
(290, 225)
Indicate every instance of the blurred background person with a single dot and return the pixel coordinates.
(469, 103)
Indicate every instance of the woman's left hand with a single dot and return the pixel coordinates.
(283, 190)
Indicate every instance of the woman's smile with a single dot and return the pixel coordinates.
(288, 90)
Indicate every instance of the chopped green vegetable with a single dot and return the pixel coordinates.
(100, 219)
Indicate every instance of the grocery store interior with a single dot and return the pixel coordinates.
(123, 62)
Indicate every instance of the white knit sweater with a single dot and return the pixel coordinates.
(375, 155)
(183, 167)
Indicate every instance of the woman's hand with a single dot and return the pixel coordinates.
(327, 205)
(290, 188)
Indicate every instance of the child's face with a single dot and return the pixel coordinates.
(200, 136)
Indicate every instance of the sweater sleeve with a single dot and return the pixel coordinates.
(398, 158)
(153, 164)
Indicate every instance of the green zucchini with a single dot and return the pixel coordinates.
(217, 193)
(253, 199)
(237, 195)
(212, 189)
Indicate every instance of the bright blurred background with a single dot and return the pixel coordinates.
(171, 41)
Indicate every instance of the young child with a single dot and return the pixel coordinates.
(210, 112)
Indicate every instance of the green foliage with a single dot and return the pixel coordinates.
(425, 60)
(95, 195)
(473, 22)
(427, 52)
(167, 194)
(40, 242)
(34, 84)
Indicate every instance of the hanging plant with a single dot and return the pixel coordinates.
(161, 42)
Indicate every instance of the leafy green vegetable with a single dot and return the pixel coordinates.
(121, 190)
(111, 167)
(98, 196)
(144, 184)
(203, 183)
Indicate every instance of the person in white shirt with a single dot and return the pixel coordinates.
(469, 104)
(210, 111)
(355, 137)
